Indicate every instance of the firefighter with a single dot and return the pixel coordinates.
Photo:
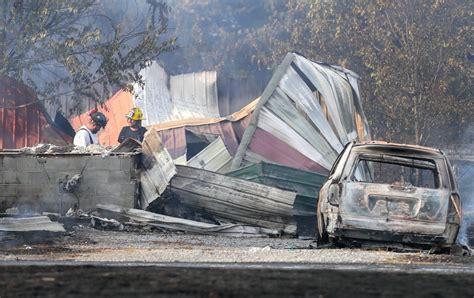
(87, 134)
(135, 130)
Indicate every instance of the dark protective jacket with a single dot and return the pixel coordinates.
(127, 132)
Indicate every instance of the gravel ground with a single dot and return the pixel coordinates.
(84, 243)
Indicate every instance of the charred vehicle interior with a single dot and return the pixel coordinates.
(390, 193)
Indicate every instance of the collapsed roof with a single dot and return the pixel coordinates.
(306, 114)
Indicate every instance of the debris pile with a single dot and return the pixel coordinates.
(255, 173)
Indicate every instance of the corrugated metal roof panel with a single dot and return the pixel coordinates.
(158, 168)
(270, 148)
(24, 122)
(175, 138)
(240, 115)
(214, 157)
(154, 98)
(306, 184)
(312, 108)
(230, 129)
(235, 199)
(194, 95)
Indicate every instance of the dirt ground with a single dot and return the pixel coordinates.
(86, 244)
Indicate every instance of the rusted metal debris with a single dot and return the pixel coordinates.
(157, 168)
(235, 200)
(125, 215)
(30, 224)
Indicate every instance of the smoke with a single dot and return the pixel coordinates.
(50, 78)
(464, 169)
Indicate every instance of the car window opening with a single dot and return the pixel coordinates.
(405, 174)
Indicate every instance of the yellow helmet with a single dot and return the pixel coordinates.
(135, 114)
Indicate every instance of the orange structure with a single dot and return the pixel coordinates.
(115, 110)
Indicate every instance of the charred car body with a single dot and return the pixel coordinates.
(390, 193)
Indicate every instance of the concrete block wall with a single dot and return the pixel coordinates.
(33, 182)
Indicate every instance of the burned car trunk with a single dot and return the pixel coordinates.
(390, 193)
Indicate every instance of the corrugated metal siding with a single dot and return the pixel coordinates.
(215, 158)
(270, 148)
(235, 199)
(306, 114)
(194, 95)
(158, 168)
(230, 129)
(175, 138)
(115, 109)
(306, 184)
(155, 98)
(27, 124)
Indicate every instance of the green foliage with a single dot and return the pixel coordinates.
(82, 47)
(414, 57)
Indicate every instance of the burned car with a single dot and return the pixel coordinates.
(390, 193)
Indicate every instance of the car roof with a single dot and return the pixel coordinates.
(399, 148)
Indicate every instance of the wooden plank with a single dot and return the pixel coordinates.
(158, 168)
(28, 224)
(181, 224)
(235, 199)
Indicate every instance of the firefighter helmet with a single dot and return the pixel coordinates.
(135, 114)
(99, 119)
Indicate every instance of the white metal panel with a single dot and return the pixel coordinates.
(272, 124)
(215, 157)
(294, 86)
(337, 93)
(181, 160)
(154, 98)
(158, 168)
(194, 95)
(30, 224)
(279, 105)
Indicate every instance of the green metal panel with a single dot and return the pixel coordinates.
(306, 184)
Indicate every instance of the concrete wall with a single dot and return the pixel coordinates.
(33, 182)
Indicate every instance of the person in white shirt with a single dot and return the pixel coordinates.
(87, 134)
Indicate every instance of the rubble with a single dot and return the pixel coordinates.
(234, 200)
(179, 224)
(157, 168)
(30, 224)
(53, 149)
(296, 129)
(105, 223)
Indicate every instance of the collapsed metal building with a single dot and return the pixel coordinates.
(300, 123)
